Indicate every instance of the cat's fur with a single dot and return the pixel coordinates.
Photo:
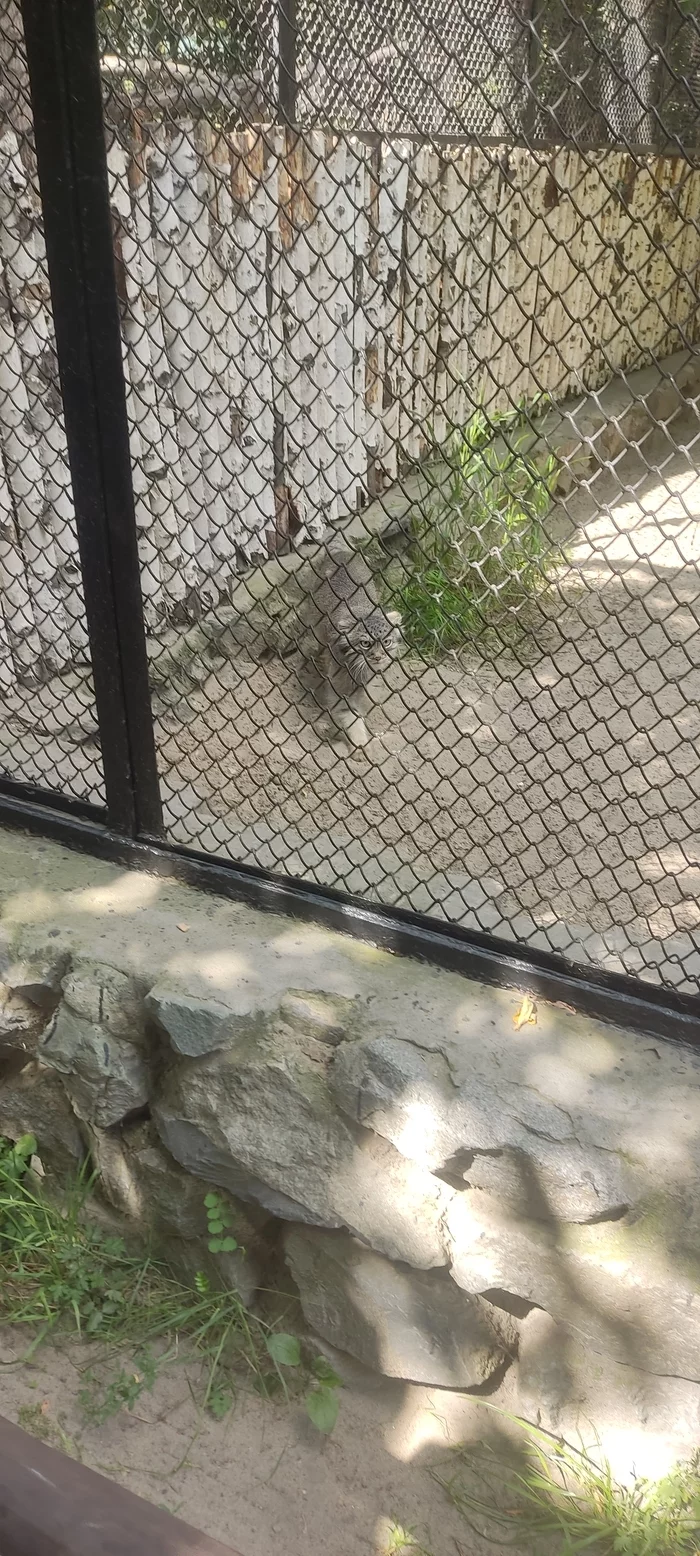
(328, 611)
(347, 637)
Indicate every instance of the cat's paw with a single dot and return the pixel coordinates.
(357, 733)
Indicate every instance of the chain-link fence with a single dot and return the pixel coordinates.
(409, 311)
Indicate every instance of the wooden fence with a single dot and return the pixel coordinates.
(300, 313)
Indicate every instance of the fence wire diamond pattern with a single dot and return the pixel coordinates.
(409, 305)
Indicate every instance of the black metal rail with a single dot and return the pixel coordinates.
(606, 996)
(64, 76)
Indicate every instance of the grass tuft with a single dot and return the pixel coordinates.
(557, 1500)
(479, 543)
(61, 1274)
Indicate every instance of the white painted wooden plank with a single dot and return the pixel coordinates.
(24, 414)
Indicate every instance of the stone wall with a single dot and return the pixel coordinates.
(454, 1198)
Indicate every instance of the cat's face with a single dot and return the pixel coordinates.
(371, 647)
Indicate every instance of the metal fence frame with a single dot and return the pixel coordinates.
(63, 58)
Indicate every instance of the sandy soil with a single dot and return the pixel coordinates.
(263, 1480)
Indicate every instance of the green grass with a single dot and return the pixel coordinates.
(61, 1274)
(479, 543)
(556, 1500)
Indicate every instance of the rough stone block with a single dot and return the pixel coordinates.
(196, 1025)
(105, 1076)
(21, 1025)
(35, 1103)
(615, 1285)
(567, 1389)
(512, 1139)
(404, 1323)
(329, 1017)
(37, 977)
(106, 997)
(157, 1198)
(259, 1120)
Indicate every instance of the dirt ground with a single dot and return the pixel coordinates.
(263, 1480)
(547, 793)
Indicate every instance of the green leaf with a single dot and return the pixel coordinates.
(216, 1224)
(322, 1370)
(211, 1201)
(322, 1408)
(220, 1402)
(284, 1349)
(229, 1245)
(25, 1147)
(215, 1245)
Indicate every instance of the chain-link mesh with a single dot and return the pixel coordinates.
(415, 433)
(410, 319)
(48, 727)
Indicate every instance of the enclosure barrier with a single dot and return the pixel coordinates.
(349, 503)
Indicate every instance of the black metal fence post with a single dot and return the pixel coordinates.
(287, 45)
(64, 74)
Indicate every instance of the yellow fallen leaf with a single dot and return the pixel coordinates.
(526, 1014)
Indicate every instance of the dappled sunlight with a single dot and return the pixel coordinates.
(560, 1077)
(431, 1420)
(27, 906)
(226, 969)
(128, 893)
(416, 1136)
(633, 1452)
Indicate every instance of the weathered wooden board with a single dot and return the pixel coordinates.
(301, 313)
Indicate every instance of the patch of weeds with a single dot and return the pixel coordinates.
(100, 1400)
(479, 543)
(59, 1273)
(562, 1500)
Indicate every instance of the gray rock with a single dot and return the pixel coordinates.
(143, 1181)
(329, 1017)
(105, 1076)
(568, 1390)
(485, 1129)
(21, 1025)
(258, 1119)
(616, 1286)
(195, 1025)
(34, 1103)
(157, 1198)
(403, 1323)
(106, 997)
(37, 976)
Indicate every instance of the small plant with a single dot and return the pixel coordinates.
(479, 542)
(403, 1540)
(122, 1392)
(218, 1219)
(321, 1398)
(559, 1499)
